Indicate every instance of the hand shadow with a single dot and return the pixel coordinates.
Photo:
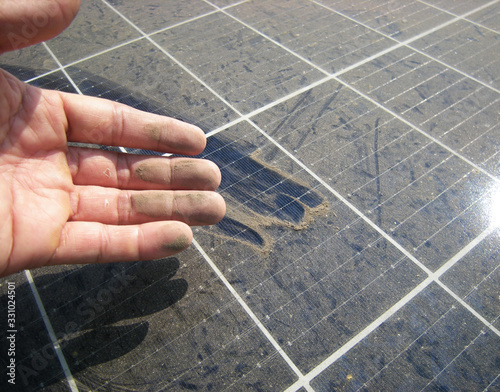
(258, 195)
(109, 318)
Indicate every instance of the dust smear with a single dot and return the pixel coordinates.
(262, 196)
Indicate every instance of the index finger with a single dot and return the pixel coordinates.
(100, 121)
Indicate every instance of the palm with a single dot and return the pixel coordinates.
(63, 204)
(35, 181)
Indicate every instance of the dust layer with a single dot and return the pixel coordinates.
(246, 224)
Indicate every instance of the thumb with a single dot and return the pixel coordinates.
(25, 22)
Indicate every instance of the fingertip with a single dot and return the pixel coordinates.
(200, 139)
(218, 206)
(217, 174)
(222, 207)
(70, 9)
(176, 136)
(212, 175)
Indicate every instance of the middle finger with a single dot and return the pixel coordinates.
(90, 166)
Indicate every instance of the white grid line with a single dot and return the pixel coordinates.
(491, 383)
(361, 335)
(407, 43)
(254, 318)
(463, 17)
(433, 277)
(60, 68)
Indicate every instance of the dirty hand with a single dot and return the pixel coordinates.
(61, 204)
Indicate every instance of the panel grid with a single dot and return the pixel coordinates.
(389, 201)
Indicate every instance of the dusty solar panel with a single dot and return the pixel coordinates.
(359, 147)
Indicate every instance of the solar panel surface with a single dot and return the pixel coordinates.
(359, 147)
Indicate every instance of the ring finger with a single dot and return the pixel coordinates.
(125, 207)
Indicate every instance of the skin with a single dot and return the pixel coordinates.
(61, 204)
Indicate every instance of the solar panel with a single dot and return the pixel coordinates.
(359, 148)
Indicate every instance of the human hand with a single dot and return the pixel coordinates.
(61, 204)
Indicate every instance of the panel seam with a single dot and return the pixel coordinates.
(50, 330)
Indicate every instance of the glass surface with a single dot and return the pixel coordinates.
(359, 145)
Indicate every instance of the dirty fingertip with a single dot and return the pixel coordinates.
(178, 236)
(177, 245)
